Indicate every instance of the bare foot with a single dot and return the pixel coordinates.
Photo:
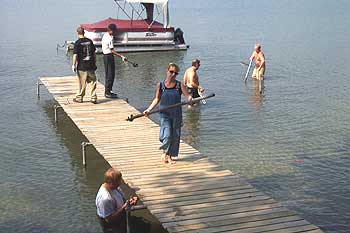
(169, 160)
(163, 158)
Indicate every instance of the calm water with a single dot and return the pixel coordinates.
(292, 142)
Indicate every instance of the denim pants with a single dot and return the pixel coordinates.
(169, 136)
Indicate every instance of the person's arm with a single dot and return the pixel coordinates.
(74, 63)
(184, 91)
(252, 56)
(114, 216)
(154, 102)
(262, 60)
(185, 78)
(119, 55)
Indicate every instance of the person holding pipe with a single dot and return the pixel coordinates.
(110, 203)
(259, 57)
(191, 79)
(168, 92)
(108, 59)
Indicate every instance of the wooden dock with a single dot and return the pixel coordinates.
(193, 195)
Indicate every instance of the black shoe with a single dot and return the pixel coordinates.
(93, 101)
(111, 95)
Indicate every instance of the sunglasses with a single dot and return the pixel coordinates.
(173, 72)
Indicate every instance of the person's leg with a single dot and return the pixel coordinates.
(165, 136)
(255, 73)
(92, 81)
(261, 73)
(109, 72)
(175, 144)
(82, 77)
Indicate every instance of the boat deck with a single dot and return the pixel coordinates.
(193, 195)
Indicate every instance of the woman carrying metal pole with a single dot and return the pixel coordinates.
(168, 92)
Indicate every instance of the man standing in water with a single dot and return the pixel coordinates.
(108, 59)
(191, 81)
(110, 203)
(259, 57)
(84, 65)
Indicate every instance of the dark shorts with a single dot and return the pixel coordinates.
(193, 92)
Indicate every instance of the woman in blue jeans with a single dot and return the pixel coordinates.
(168, 92)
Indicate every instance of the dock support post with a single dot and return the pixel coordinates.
(38, 84)
(56, 107)
(83, 150)
(128, 210)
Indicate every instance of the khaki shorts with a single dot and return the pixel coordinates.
(259, 75)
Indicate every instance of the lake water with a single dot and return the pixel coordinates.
(291, 142)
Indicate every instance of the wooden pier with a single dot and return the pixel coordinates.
(193, 195)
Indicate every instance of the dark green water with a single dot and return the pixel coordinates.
(292, 142)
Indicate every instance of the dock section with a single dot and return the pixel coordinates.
(193, 195)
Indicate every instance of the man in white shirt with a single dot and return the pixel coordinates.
(110, 203)
(108, 59)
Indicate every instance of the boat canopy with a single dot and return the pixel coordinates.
(146, 1)
(126, 26)
(148, 7)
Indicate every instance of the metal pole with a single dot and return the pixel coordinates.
(38, 84)
(84, 153)
(83, 150)
(56, 107)
(127, 220)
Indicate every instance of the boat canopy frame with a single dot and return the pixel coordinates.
(161, 7)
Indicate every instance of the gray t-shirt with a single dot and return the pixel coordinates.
(108, 202)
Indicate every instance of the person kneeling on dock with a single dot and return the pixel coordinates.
(84, 65)
(168, 92)
(110, 203)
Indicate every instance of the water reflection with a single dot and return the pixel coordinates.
(191, 126)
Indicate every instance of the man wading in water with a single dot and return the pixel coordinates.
(259, 57)
(191, 80)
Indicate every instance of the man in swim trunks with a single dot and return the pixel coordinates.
(191, 81)
(259, 57)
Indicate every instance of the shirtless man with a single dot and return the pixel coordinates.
(191, 79)
(259, 57)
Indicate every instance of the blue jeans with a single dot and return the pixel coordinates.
(169, 136)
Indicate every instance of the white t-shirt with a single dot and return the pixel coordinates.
(106, 200)
(107, 43)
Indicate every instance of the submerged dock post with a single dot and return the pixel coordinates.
(83, 150)
(38, 84)
(56, 107)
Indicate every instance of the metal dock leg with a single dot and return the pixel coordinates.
(56, 107)
(83, 150)
(38, 84)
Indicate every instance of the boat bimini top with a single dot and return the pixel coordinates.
(134, 9)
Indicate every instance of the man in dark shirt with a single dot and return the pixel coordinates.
(84, 65)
